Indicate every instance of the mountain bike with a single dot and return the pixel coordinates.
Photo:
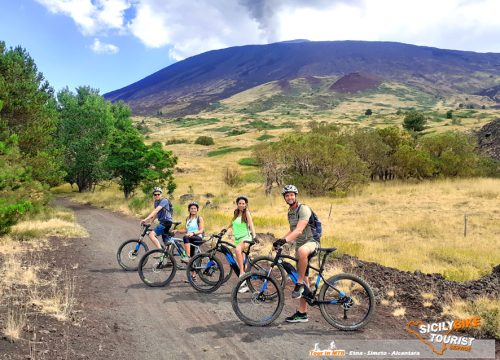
(208, 268)
(131, 251)
(345, 300)
(158, 267)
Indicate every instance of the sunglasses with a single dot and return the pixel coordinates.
(156, 194)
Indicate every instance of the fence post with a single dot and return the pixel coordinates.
(465, 224)
(330, 211)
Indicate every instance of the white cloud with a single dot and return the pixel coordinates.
(91, 16)
(194, 27)
(101, 48)
(190, 27)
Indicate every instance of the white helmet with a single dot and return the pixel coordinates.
(289, 189)
(158, 189)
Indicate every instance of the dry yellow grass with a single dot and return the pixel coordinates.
(45, 228)
(486, 308)
(399, 312)
(428, 296)
(59, 300)
(16, 320)
(14, 272)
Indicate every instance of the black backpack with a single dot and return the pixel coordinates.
(315, 224)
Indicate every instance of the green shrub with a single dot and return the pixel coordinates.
(235, 132)
(265, 137)
(248, 161)
(204, 140)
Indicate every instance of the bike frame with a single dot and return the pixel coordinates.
(177, 243)
(224, 248)
(294, 276)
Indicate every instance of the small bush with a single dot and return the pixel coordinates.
(204, 140)
(368, 112)
(176, 141)
(232, 176)
(265, 137)
(235, 132)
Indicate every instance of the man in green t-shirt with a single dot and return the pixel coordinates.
(305, 245)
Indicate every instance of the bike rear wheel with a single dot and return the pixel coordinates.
(261, 306)
(205, 273)
(157, 268)
(351, 302)
(130, 253)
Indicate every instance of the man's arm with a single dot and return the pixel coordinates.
(152, 216)
(292, 235)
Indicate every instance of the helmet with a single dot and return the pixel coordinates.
(157, 189)
(241, 197)
(194, 203)
(289, 189)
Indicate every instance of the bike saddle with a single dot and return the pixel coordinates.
(327, 249)
(176, 223)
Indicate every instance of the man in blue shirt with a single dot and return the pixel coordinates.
(163, 211)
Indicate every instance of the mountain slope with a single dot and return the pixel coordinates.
(193, 84)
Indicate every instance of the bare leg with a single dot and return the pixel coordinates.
(153, 238)
(303, 253)
(239, 256)
(187, 247)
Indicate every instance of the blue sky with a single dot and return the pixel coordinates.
(108, 44)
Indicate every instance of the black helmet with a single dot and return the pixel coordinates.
(194, 203)
(241, 197)
(289, 189)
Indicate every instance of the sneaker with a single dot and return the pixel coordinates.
(243, 288)
(297, 317)
(185, 258)
(298, 291)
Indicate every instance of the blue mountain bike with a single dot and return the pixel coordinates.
(345, 300)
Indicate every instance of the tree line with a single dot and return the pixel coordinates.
(78, 137)
(329, 160)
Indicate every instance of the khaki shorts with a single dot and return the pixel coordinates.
(312, 246)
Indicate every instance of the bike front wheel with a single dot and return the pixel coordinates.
(157, 268)
(130, 253)
(260, 306)
(346, 302)
(205, 273)
(263, 264)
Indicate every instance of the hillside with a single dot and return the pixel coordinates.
(201, 82)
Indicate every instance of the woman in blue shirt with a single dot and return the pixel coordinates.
(194, 230)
